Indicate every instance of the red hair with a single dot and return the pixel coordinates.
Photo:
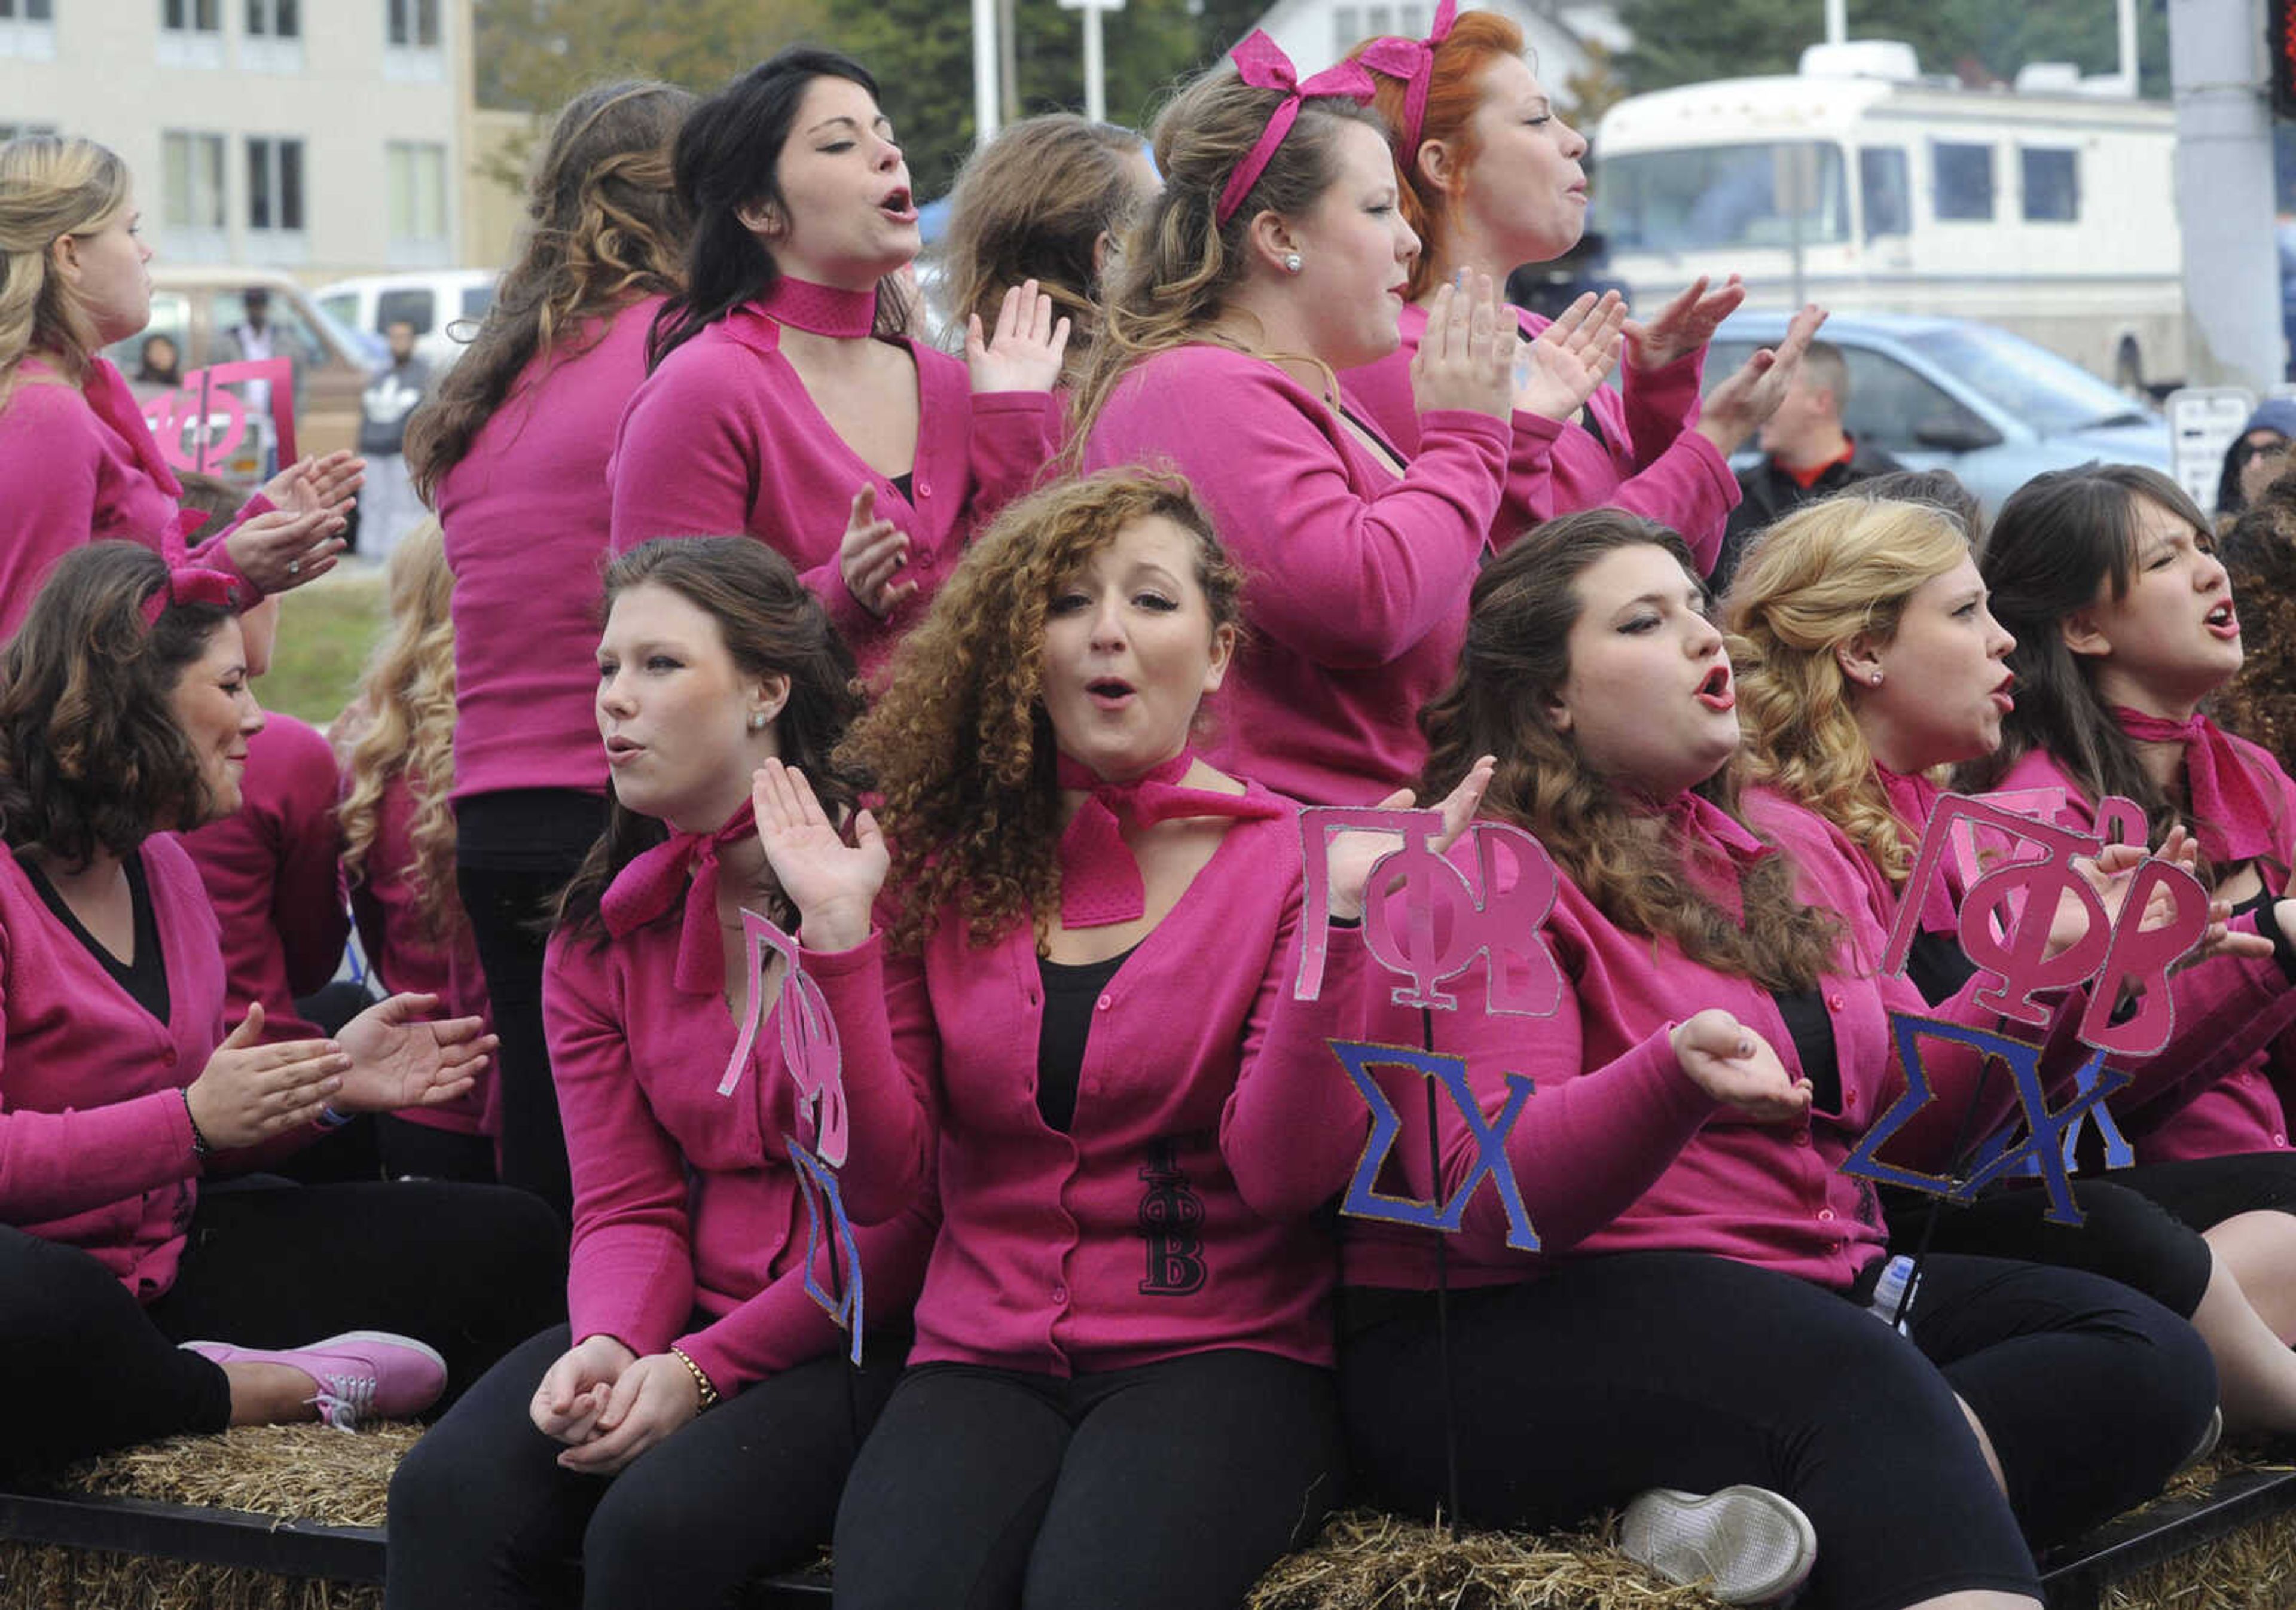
(1476, 40)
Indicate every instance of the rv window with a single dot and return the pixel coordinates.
(1882, 182)
(1719, 196)
(1964, 181)
(2052, 185)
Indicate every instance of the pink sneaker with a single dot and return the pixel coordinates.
(361, 1375)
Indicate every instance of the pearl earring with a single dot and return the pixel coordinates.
(757, 720)
(1877, 679)
(1290, 262)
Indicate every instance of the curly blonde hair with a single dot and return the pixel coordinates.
(960, 746)
(1820, 577)
(402, 723)
(49, 188)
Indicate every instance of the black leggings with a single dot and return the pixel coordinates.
(467, 1268)
(503, 909)
(482, 1515)
(1613, 1374)
(1171, 1486)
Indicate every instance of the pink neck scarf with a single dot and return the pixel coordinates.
(2236, 817)
(1263, 65)
(1100, 879)
(1413, 61)
(649, 885)
(820, 309)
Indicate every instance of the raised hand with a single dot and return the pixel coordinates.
(399, 1059)
(1683, 325)
(574, 1391)
(1025, 352)
(832, 883)
(1736, 1066)
(1556, 373)
(870, 554)
(1736, 409)
(1350, 856)
(1465, 357)
(328, 483)
(286, 547)
(651, 1399)
(250, 1091)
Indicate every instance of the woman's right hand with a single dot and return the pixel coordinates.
(833, 884)
(1466, 355)
(871, 555)
(575, 1390)
(286, 547)
(1736, 1066)
(1557, 372)
(248, 1092)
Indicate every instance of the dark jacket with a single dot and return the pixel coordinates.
(1768, 494)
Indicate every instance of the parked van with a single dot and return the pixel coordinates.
(2050, 214)
(197, 306)
(434, 302)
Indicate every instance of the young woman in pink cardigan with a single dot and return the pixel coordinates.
(1120, 1391)
(787, 398)
(79, 463)
(512, 453)
(1491, 177)
(1274, 258)
(1698, 1312)
(694, 1425)
(125, 713)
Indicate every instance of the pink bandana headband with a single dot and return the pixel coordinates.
(189, 585)
(1412, 61)
(1262, 64)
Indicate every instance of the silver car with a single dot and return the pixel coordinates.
(1950, 394)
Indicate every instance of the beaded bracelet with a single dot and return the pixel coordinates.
(702, 1387)
(199, 1147)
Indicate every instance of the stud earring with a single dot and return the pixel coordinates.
(757, 720)
(1290, 262)
(1877, 679)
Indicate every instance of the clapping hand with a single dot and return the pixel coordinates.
(1683, 325)
(832, 883)
(1025, 352)
(1465, 360)
(1557, 372)
(1350, 856)
(400, 1059)
(1736, 408)
(1736, 1066)
(871, 555)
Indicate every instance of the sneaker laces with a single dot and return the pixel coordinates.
(344, 1399)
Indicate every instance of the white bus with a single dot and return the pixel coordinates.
(2052, 215)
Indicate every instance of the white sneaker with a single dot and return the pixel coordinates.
(1752, 1546)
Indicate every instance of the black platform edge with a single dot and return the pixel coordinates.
(197, 1535)
(2074, 1575)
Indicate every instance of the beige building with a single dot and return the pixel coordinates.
(325, 137)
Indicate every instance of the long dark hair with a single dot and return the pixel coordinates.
(728, 157)
(773, 627)
(91, 756)
(1517, 657)
(2059, 541)
(603, 228)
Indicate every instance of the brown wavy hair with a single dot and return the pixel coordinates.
(1032, 204)
(91, 756)
(773, 627)
(1179, 263)
(959, 744)
(402, 724)
(1818, 578)
(604, 228)
(1454, 92)
(1516, 659)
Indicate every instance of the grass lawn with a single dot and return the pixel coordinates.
(326, 631)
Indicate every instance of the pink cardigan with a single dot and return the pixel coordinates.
(274, 871)
(525, 514)
(1647, 459)
(2211, 1104)
(95, 1145)
(1356, 580)
(403, 956)
(80, 466)
(723, 437)
(689, 1225)
(1208, 1099)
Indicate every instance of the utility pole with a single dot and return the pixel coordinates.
(984, 71)
(1837, 21)
(2223, 192)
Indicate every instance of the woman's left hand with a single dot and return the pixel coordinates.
(832, 883)
(399, 1059)
(327, 484)
(1351, 855)
(650, 1399)
(1026, 351)
(1683, 325)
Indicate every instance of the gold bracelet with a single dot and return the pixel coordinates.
(708, 1394)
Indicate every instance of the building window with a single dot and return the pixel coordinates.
(191, 200)
(414, 50)
(414, 24)
(2052, 184)
(273, 19)
(24, 131)
(191, 33)
(1965, 182)
(271, 40)
(275, 199)
(418, 203)
(27, 29)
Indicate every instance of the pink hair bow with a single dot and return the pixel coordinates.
(1413, 61)
(1263, 65)
(189, 585)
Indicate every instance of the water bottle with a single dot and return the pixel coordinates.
(1890, 1290)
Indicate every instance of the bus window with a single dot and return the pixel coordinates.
(1965, 182)
(1718, 196)
(1882, 182)
(2052, 182)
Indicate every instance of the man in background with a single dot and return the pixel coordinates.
(1806, 455)
(387, 507)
